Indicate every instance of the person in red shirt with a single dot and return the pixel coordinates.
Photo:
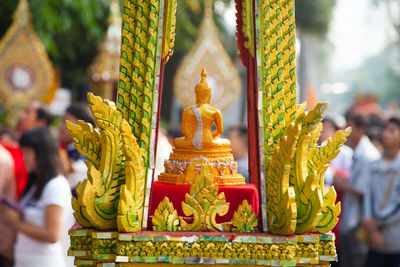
(8, 141)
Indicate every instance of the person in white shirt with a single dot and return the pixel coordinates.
(352, 252)
(46, 211)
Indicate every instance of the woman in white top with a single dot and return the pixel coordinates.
(46, 208)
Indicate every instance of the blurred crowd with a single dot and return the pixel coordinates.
(366, 176)
(40, 169)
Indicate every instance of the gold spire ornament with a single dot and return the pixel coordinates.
(104, 71)
(209, 53)
(26, 72)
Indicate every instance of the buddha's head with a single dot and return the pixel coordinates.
(203, 90)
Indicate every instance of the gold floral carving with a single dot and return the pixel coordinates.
(301, 173)
(244, 218)
(204, 203)
(165, 217)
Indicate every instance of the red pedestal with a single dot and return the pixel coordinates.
(233, 194)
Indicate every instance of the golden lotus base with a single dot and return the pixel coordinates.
(183, 165)
(212, 155)
(99, 248)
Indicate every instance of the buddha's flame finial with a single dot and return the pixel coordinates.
(203, 74)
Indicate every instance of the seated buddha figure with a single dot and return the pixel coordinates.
(197, 122)
(199, 143)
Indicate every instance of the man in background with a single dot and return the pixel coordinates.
(35, 114)
(352, 252)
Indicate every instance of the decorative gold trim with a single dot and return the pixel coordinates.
(254, 249)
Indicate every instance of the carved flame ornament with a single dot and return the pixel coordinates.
(113, 194)
(294, 164)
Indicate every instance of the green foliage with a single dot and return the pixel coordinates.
(314, 15)
(71, 31)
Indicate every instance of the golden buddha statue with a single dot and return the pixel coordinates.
(200, 143)
(197, 122)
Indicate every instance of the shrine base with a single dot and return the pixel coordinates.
(102, 248)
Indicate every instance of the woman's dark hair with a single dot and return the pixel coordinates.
(48, 161)
(81, 111)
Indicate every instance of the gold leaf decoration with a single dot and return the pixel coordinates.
(165, 217)
(244, 218)
(138, 68)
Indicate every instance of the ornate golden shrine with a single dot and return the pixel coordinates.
(26, 72)
(111, 207)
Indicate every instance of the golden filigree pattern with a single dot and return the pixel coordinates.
(26, 70)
